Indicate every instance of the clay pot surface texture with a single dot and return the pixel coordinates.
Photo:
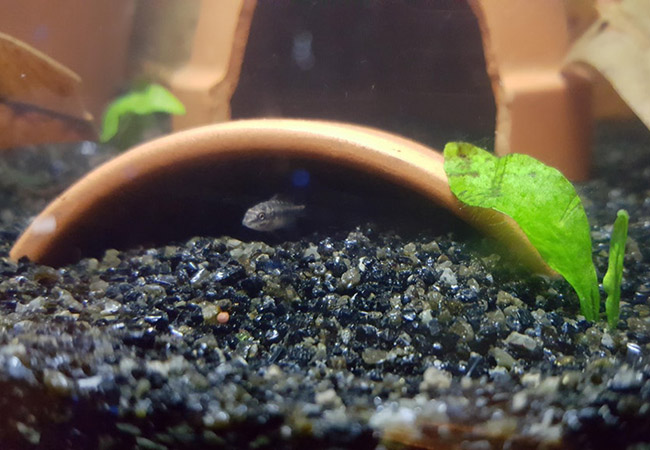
(201, 181)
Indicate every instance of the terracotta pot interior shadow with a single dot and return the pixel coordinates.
(203, 198)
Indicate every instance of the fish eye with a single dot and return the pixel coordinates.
(261, 216)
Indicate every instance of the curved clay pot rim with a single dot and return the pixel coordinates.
(392, 158)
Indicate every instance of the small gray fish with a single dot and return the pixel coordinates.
(271, 215)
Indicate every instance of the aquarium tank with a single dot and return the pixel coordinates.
(287, 224)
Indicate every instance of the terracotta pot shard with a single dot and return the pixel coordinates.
(179, 185)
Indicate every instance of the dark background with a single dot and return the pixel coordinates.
(414, 67)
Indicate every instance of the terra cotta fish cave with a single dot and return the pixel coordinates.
(193, 182)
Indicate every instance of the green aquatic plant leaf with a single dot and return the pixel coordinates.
(542, 202)
(153, 98)
(614, 275)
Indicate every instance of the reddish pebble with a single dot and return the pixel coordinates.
(223, 317)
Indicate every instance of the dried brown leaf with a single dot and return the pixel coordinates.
(618, 46)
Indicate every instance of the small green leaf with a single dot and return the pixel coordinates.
(151, 99)
(614, 275)
(542, 202)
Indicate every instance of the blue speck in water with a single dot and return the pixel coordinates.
(41, 33)
(300, 178)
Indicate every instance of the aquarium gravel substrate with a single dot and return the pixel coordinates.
(355, 338)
